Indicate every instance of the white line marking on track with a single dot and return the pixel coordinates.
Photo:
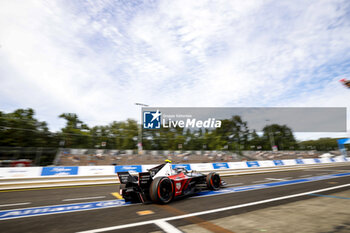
(235, 184)
(14, 204)
(167, 227)
(305, 176)
(259, 181)
(84, 198)
(212, 211)
(322, 174)
(282, 179)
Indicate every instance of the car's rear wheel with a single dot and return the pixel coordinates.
(161, 190)
(213, 181)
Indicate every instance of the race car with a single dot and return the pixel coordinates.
(345, 82)
(162, 184)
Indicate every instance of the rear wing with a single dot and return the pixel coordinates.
(145, 180)
(125, 178)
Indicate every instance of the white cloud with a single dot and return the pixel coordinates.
(97, 58)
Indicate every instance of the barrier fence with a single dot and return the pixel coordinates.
(71, 171)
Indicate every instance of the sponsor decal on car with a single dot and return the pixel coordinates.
(178, 185)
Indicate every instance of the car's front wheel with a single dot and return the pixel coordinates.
(213, 181)
(161, 190)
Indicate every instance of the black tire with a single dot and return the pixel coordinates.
(213, 181)
(161, 190)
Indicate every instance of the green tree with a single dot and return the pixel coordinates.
(279, 135)
(124, 134)
(21, 129)
(234, 134)
(75, 134)
(322, 144)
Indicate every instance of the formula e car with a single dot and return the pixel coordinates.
(345, 82)
(162, 184)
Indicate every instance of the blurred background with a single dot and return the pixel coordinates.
(27, 141)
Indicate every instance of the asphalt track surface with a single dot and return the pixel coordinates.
(119, 216)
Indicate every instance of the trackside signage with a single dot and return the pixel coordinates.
(299, 161)
(96, 170)
(21, 213)
(253, 164)
(318, 161)
(278, 162)
(220, 165)
(59, 171)
(186, 166)
(267, 163)
(17, 172)
(13, 172)
(202, 166)
(128, 168)
(309, 161)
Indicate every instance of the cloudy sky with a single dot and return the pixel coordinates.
(97, 58)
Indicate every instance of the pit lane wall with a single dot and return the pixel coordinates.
(95, 171)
